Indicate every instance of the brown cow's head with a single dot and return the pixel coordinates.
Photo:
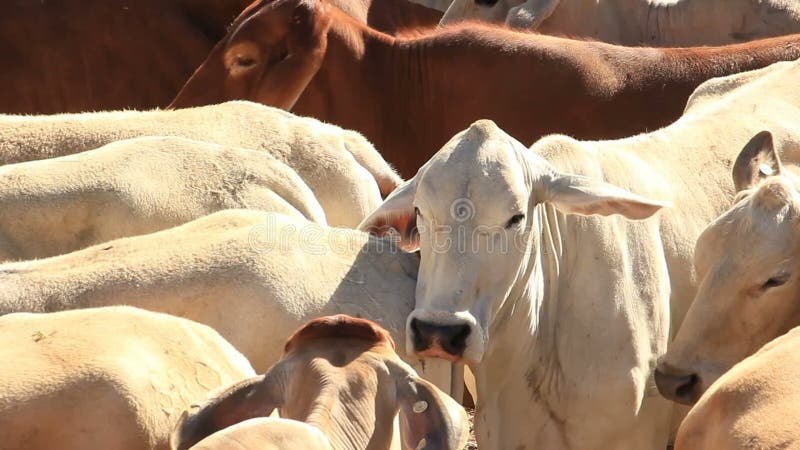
(270, 54)
(341, 375)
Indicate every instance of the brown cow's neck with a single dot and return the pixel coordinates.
(409, 96)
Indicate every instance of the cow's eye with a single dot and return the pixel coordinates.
(775, 281)
(515, 220)
(244, 61)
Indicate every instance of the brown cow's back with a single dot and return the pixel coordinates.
(82, 55)
(410, 95)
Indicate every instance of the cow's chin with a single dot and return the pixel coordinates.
(440, 354)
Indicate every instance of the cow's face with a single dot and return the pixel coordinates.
(494, 11)
(470, 212)
(270, 54)
(747, 265)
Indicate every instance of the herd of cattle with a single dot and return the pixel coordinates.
(168, 229)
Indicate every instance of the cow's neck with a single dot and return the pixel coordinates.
(521, 374)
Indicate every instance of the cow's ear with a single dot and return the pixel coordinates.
(429, 418)
(396, 217)
(247, 399)
(757, 160)
(582, 195)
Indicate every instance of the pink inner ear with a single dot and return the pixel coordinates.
(402, 224)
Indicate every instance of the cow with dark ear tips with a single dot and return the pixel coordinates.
(339, 385)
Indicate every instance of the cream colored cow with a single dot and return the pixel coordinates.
(747, 261)
(340, 386)
(558, 299)
(138, 186)
(660, 23)
(555, 313)
(110, 378)
(253, 276)
(340, 166)
(755, 405)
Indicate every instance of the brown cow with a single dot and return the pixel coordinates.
(409, 96)
(340, 375)
(83, 55)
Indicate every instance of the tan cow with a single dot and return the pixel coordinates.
(139, 186)
(600, 297)
(332, 161)
(105, 378)
(659, 23)
(253, 276)
(755, 405)
(747, 264)
(341, 378)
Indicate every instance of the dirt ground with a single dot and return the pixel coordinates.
(471, 444)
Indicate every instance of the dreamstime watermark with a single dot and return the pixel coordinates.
(461, 235)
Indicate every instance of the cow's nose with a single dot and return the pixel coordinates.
(452, 339)
(679, 387)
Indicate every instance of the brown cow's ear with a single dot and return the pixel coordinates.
(247, 399)
(757, 160)
(396, 217)
(429, 418)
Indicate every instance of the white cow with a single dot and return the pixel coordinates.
(340, 385)
(253, 276)
(534, 299)
(110, 378)
(138, 186)
(589, 296)
(747, 262)
(756, 405)
(661, 23)
(338, 165)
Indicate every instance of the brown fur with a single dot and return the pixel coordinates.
(410, 95)
(79, 55)
(340, 326)
(90, 55)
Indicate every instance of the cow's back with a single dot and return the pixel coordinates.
(758, 400)
(105, 378)
(73, 56)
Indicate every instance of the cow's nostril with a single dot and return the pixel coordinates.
(418, 336)
(680, 388)
(454, 339)
(686, 390)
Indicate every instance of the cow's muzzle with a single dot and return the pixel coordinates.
(433, 340)
(678, 386)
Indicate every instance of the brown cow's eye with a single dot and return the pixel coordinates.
(244, 61)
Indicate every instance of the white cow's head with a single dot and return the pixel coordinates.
(748, 266)
(525, 14)
(470, 212)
